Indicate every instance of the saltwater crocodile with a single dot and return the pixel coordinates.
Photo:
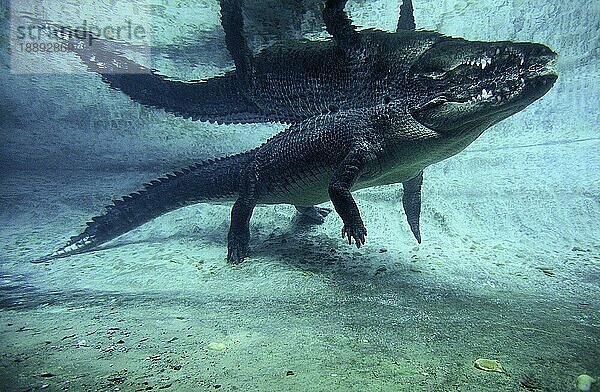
(366, 108)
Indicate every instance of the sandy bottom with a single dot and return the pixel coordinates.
(509, 270)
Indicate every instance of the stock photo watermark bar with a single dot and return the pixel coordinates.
(51, 36)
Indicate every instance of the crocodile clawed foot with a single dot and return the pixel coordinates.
(356, 231)
(237, 249)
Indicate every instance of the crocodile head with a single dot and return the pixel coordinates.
(467, 86)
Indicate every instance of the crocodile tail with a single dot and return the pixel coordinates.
(210, 180)
(218, 99)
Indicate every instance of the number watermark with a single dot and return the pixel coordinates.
(53, 36)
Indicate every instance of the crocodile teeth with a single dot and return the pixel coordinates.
(71, 248)
(485, 93)
(478, 97)
(484, 63)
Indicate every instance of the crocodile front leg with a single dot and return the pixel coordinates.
(343, 202)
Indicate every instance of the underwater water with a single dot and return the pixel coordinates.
(508, 268)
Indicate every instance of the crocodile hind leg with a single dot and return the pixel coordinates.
(314, 215)
(232, 20)
(239, 230)
(238, 237)
(339, 25)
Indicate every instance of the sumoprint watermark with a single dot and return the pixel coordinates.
(52, 36)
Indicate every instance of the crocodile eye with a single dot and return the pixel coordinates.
(333, 108)
(387, 99)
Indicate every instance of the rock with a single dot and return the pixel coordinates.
(381, 270)
(489, 365)
(217, 346)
